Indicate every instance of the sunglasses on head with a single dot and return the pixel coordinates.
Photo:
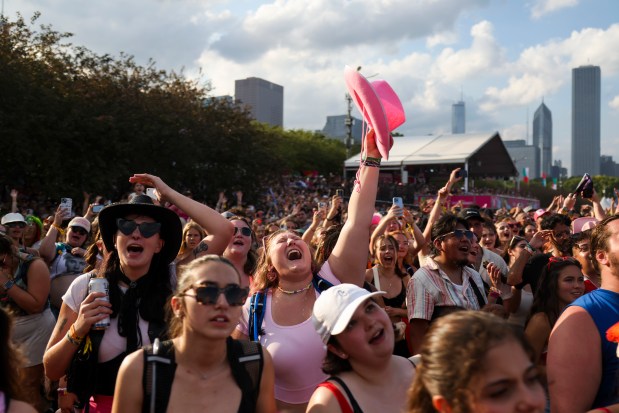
(460, 233)
(147, 229)
(244, 231)
(208, 294)
(79, 230)
(15, 225)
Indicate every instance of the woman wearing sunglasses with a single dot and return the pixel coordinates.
(141, 239)
(205, 363)
(240, 251)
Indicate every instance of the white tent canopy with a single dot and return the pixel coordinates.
(481, 154)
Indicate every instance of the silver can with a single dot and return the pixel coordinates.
(100, 285)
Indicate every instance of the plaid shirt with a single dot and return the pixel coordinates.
(430, 287)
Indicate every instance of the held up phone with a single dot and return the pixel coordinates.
(322, 205)
(97, 208)
(66, 204)
(462, 173)
(151, 193)
(585, 186)
(339, 192)
(397, 201)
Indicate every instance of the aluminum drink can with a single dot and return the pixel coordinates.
(100, 285)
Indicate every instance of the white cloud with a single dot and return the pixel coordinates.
(444, 38)
(542, 7)
(614, 103)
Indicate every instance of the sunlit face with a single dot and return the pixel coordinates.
(289, 253)
(76, 236)
(240, 243)
(488, 238)
(514, 251)
(454, 249)
(508, 383)
(403, 244)
(570, 285)
(136, 251)
(504, 231)
(368, 333)
(529, 231)
(581, 250)
(210, 320)
(561, 237)
(15, 230)
(192, 238)
(474, 252)
(385, 252)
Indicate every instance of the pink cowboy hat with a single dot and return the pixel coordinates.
(380, 106)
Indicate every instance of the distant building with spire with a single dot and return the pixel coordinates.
(458, 117)
(542, 139)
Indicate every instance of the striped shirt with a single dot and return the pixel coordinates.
(430, 287)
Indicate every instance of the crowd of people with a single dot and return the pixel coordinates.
(312, 302)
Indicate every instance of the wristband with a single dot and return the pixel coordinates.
(60, 230)
(8, 285)
(603, 409)
(72, 341)
(73, 337)
(528, 248)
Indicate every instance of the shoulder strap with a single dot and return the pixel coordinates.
(341, 400)
(478, 295)
(376, 277)
(160, 369)
(320, 284)
(246, 362)
(355, 406)
(257, 307)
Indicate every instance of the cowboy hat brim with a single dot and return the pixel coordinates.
(171, 227)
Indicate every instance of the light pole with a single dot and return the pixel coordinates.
(348, 123)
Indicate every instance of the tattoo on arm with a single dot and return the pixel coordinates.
(202, 247)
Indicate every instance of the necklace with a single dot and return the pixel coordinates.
(293, 292)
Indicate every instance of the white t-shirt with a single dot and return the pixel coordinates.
(112, 344)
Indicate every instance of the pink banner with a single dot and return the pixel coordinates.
(487, 201)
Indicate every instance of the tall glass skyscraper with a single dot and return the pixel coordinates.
(542, 139)
(586, 120)
(458, 117)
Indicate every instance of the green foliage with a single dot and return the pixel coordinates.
(74, 121)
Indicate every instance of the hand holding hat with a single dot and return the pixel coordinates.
(162, 190)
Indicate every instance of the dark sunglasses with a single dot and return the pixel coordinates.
(79, 230)
(208, 294)
(460, 233)
(244, 231)
(15, 225)
(147, 229)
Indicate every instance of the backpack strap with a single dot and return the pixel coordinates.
(257, 306)
(320, 284)
(160, 369)
(478, 295)
(341, 400)
(246, 362)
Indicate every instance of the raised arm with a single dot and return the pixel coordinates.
(392, 214)
(349, 257)
(47, 249)
(220, 230)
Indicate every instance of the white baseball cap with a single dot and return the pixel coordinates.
(335, 307)
(13, 217)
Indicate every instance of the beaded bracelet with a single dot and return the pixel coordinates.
(77, 343)
(371, 162)
(73, 337)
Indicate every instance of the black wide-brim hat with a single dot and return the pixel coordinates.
(171, 227)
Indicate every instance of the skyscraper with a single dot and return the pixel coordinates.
(586, 120)
(265, 100)
(458, 118)
(542, 139)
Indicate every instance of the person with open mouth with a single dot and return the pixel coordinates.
(359, 338)
(142, 239)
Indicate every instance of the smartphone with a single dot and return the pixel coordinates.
(462, 173)
(585, 186)
(97, 208)
(339, 192)
(66, 204)
(151, 193)
(397, 201)
(322, 206)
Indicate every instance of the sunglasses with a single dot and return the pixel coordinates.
(244, 231)
(460, 233)
(583, 247)
(79, 230)
(515, 240)
(15, 225)
(208, 294)
(147, 229)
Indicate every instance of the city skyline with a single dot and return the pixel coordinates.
(542, 139)
(505, 56)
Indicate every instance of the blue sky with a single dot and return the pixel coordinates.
(504, 55)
